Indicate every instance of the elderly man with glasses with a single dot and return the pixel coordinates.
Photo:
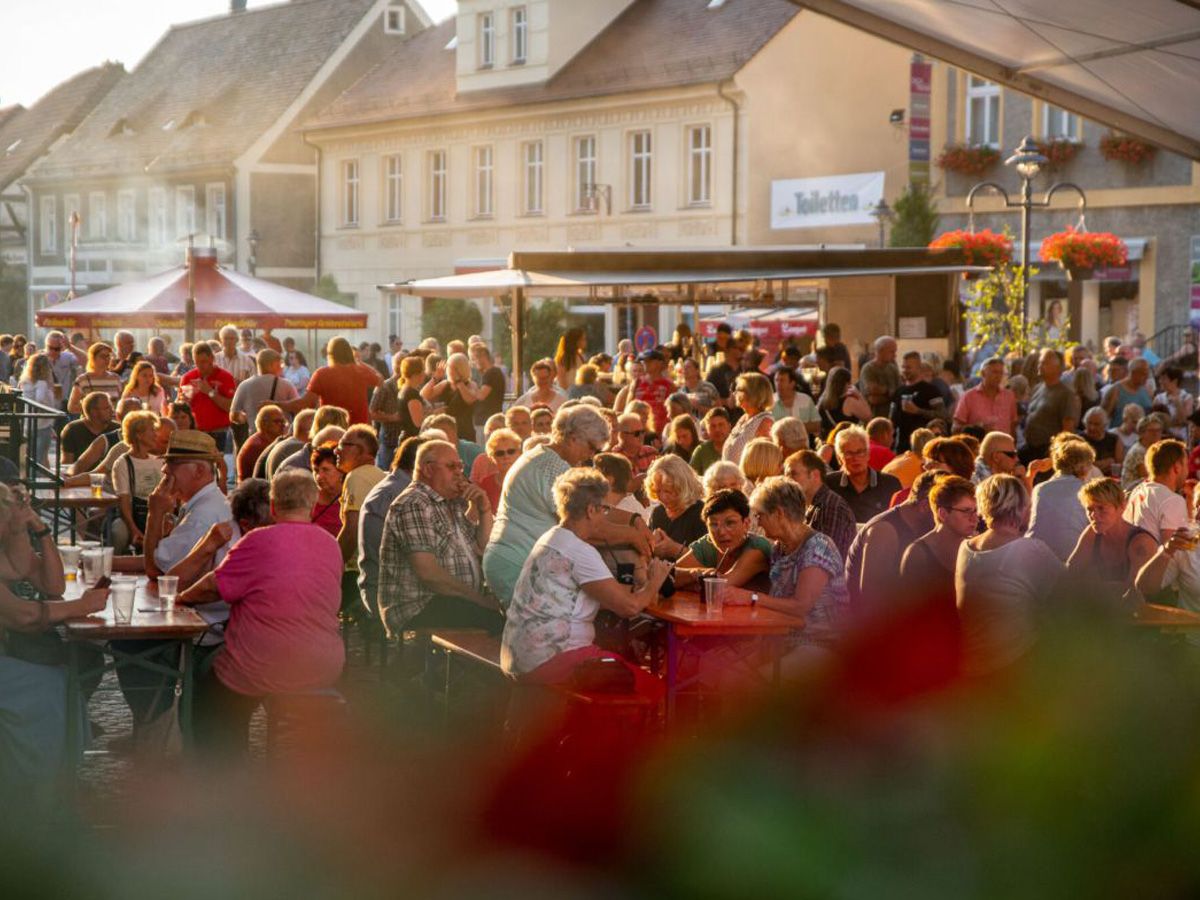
(866, 491)
(430, 569)
(63, 363)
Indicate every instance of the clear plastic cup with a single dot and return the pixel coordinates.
(714, 595)
(168, 589)
(97, 480)
(92, 560)
(123, 591)
(70, 560)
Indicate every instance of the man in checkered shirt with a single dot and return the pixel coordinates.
(430, 568)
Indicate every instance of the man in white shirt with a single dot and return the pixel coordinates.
(1156, 504)
(236, 362)
(1176, 564)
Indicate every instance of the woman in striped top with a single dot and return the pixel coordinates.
(97, 377)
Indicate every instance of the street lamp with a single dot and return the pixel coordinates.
(1028, 161)
(882, 213)
(252, 239)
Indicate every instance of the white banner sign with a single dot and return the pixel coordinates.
(819, 202)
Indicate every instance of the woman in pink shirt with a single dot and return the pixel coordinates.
(282, 636)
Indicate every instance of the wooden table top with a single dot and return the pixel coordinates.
(75, 498)
(1151, 615)
(691, 617)
(148, 620)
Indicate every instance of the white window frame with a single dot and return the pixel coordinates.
(533, 178)
(395, 313)
(394, 19)
(48, 226)
(349, 193)
(438, 169)
(699, 164)
(127, 216)
(157, 216)
(584, 167)
(97, 216)
(393, 188)
(641, 169)
(484, 166)
(1059, 123)
(520, 35)
(487, 40)
(977, 88)
(185, 210)
(214, 209)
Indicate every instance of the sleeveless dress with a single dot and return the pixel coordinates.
(742, 434)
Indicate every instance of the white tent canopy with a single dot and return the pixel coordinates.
(1130, 65)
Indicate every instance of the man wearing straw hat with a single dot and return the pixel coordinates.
(189, 480)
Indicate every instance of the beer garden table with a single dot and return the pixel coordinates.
(691, 629)
(182, 625)
(72, 499)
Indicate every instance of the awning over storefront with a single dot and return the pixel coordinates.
(223, 296)
(1132, 66)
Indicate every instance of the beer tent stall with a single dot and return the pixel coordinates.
(910, 292)
(201, 294)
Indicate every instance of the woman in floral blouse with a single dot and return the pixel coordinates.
(549, 631)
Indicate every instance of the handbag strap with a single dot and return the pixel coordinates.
(274, 387)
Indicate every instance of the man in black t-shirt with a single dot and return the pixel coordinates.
(723, 375)
(97, 420)
(491, 385)
(916, 402)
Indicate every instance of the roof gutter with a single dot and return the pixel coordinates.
(734, 192)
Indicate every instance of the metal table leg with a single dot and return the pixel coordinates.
(186, 685)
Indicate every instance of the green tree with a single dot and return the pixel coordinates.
(326, 286)
(545, 321)
(993, 316)
(450, 319)
(916, 217)
(14, 301)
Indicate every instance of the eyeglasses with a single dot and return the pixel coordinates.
(848, 453)
(641, 432)
(513, 452)
(342, 448)
(1011, 454)
(965, 510)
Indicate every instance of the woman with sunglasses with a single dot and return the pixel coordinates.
(489, 469)
(96, 377)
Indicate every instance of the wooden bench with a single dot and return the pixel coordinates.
(294, 719)
(481, 650)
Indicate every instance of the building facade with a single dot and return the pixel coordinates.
(654, 123)
(1153, 205)
(199, 143)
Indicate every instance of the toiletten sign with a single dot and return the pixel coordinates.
(822, 202)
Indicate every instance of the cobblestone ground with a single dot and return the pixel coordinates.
(369, 689)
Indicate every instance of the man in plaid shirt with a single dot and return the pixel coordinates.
(430, 569)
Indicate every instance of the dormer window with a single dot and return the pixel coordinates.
(121, 128)
(520, 35)
(12, 148)
(194, 119)
(168, 125)
(487, 40)
(393, 20)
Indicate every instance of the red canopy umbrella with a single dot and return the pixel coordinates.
(222, 296)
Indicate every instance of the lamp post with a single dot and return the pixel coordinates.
(882, 213)
(1028, 161)
(252, 239)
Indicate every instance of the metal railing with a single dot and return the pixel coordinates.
(1167, 342)
(22, 442)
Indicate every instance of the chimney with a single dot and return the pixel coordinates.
(237, 6)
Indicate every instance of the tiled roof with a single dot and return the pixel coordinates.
(55, 114)
(653, 44)
(238, 72)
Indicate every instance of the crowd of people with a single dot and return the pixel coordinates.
(406, 494)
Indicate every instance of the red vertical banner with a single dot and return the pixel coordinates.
(920, 88)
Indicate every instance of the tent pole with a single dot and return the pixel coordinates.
(189, 315)
(518, 341)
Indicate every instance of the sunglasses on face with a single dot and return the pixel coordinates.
(639, 433)
(1011, 454)
(512, 452)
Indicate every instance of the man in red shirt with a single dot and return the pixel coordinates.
(654, 388)
(343, 382)
(881, 433)
(209, 389)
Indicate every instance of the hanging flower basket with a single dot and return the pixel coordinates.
(1127, 149)
(980, 248)
(1080, 253)
(1058, 152)
(967, 160)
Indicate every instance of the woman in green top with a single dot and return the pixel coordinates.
(729, 549)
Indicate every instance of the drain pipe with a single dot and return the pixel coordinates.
(737, 110)
(317, 206)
